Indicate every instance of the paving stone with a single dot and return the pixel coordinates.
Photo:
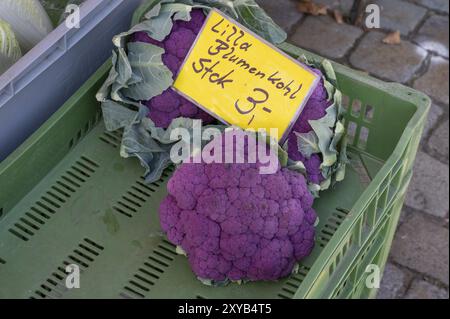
(393, 282)
(440, 5)
(394, 62)
(422, 245)
(421, 289)
(400, 15)
(283, 12)
(326, 37)
(435, 81)
(433, 35)
(428, 191)
(439, 140)
(345, 6)
(433, 117)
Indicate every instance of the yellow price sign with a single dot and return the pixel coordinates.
(242, 80)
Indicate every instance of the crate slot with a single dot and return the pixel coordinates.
(150, 271)
(369, 113)
(141, 278)
(83, 255)
(111, 138)
(57, 198)
(127, 207)
(363, 138)
(54, 286)
(331, 226)
(167, 251)
(48, 204)
(2, 261)
(351, 132)
(124, 296)
(356, 108)
(147, 273)
(70, 180)
(29, 223)
(147, 187)
(163, 256)
(61, 191)
(81, 171)
(63, 185)
(133, 199)
(140, 285)
(293, 283)
(345, 102)
(43, 206)
(136, 196)
(137, 189)
(340, 289)
(94, 245)
(130, 293)
(169, 244)
(123, 212)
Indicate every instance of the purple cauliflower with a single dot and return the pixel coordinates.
(314, 109)
(170, 105)
(237, 224)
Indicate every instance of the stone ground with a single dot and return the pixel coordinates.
(419, 263)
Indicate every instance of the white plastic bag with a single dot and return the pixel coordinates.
(9, 47)
(28, 20)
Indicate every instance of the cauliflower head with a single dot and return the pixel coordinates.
(170, 105)
(314, 109)
(236, 224)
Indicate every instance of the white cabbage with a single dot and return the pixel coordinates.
(9, 47)
(28, 20)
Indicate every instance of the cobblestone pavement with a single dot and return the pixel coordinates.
(419, 263)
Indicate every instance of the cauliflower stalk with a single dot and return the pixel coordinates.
(234, 223)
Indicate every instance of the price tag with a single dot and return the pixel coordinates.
(242, 80)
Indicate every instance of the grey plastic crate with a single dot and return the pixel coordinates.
(39, 83)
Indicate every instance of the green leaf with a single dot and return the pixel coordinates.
(116, 116)
(307, 143)
(158, 23)
(325, 133)
(255, 18)
(124, 73)
(296, 166)
(146, 63)
(105, 90)
(151, 144)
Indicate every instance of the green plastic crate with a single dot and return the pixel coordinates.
(66, 196)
